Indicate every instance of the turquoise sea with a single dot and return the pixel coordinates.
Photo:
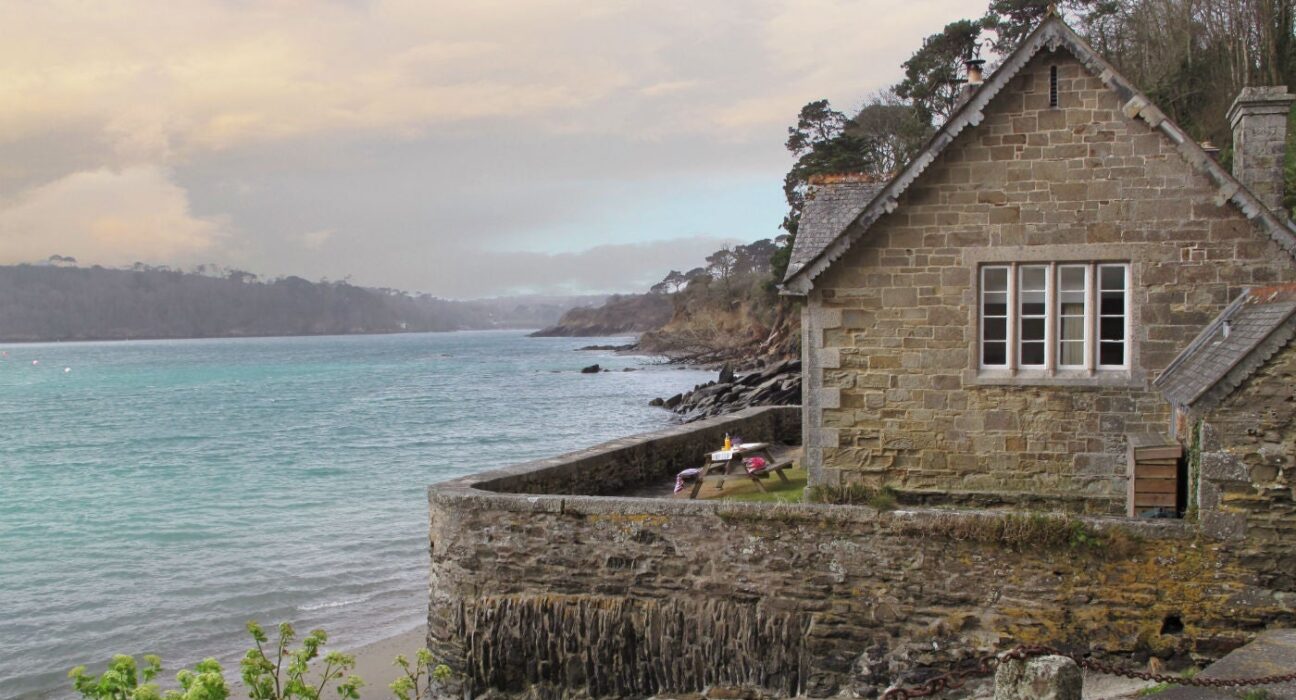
(156, 495)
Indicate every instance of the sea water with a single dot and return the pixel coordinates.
(157, 495)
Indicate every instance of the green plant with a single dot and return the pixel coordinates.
(1034, 531)
(407, 687)
(1082, 537)
(883, 499)
(283, 678)
(1255, 694)
(268, 679)
(1194, 471)
(122, 681)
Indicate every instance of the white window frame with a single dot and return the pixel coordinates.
(1010, 300)
(1093, 316)
(1016, 317)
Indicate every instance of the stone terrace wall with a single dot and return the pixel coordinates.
(617, 466)
(557, 596)
(1248, 469)
(893, 391)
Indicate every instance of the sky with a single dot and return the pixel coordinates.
(465, 149)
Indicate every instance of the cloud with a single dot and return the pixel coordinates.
(606, 268)
(421, 130)
(160, 83)
(105, 217)
(314, 240)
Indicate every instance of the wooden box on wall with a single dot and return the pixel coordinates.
(1153, 473)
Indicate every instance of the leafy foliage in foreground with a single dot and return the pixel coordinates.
(122, 681)
(268, 679)
(407, 687)
(283, 674)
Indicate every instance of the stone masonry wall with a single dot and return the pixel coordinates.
(1248, 469)
(578, 597)
(623, 464)
(894, 395)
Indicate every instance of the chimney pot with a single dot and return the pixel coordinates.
(1259, 120)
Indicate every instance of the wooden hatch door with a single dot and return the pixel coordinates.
(1154, 474)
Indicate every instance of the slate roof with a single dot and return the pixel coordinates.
(1237, 343)
(831, 205)
(1051, 34)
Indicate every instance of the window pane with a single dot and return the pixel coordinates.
(1112, 304)
(1032, 354)
(995, 304)
(1032, 329)
(1072, 328)
(1032, 277)
(994, 354)
(1111, 353)
(1071, 353)
(1111, 329)
(1112, 277)
(1032, 304)
(996, 279)
(1071, 278)
(996, 329)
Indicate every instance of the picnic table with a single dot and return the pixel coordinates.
(723, 461)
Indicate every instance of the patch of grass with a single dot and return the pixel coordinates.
(855, 495)
(1035, 531)
(777, 491)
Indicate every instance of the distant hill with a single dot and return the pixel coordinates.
(728, 312)
(57, 302)
(630, 313)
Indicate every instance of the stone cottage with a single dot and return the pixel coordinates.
(989, 325)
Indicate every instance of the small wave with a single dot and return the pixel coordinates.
(332, 603)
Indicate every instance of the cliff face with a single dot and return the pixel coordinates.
(634, 313)
(741, 333)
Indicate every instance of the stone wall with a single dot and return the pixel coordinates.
(625, 464)
(1247, 467)
(546, 596)
(892, 387)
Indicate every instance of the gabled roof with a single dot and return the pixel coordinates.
(1238, 342)
(1052, 33)
(832, 203)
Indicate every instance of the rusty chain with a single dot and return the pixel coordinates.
(986, 664)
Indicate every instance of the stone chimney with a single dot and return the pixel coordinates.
(1259, 120)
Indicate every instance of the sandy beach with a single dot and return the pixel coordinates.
(374, 663)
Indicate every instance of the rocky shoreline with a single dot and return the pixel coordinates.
(778, 384)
